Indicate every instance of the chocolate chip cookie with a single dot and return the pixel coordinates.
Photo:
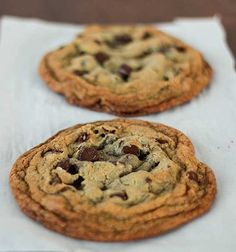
(126, 70)
(113, 181)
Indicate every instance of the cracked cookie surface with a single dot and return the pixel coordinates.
(126, 70)
(113, 180)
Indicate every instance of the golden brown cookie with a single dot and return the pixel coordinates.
(113, 181)
(126, 70)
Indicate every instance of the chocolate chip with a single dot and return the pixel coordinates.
(82, 137)
(79, 72)
(96, 131)
(132, 149)
(122, 195)
(153, 166)
(102, 135)
(119, 40)
(162, 141)
(146, 35)
(78, 183)
(97, 41)
(192, 176)
(125, 71)
(180, 49)
(70, 168)
(148, 180)
(165, 78)
(103, 188)
(143, 155)
(64, 164)
(101, 57)
(88, 154)
(55, 180)
(73, 169)
(123, 39)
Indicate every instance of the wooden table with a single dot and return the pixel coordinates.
(124, 11)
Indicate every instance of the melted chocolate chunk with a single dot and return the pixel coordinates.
(143, 155)
(192, 176)
(180, 49)
(64, 164)
(119, 40)
(78, 183)
(101, 57)
(132, 149)
(82, 137)
(123, 39)
(79, 72)
(162, 141)
(153, 166)
(103, 188)
(88, 154)
(123, 195)
(146, 35)
(97, 41)
(148, 180)
(71, 168)
(125, 71)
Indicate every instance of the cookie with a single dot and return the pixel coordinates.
(113, 181)
(126, 70)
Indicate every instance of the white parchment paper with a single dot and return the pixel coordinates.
(30, 113)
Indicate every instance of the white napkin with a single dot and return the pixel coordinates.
(30, 113)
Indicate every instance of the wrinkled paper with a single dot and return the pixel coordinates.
(30, 113)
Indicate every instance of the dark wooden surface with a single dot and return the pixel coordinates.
(124, 11)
